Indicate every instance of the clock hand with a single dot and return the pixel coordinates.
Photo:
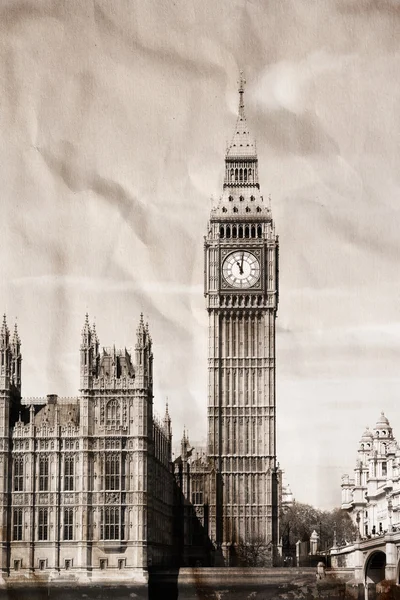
(241, 266)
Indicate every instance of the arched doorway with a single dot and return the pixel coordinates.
(375, 567)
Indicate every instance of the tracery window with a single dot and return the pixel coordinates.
(17, 524)
(69, 464)
(112, 524)
(43, 525)
(113, 413)
(18, 473)
(43, 473)
(114, 472)
(68, 524)
(197, 493)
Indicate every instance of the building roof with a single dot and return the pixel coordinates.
(367, 435)
(242, 144)
(382, 422)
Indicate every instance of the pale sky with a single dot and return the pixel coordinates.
(114, 118)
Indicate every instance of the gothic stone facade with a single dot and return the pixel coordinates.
(85, 483)
(238, 502)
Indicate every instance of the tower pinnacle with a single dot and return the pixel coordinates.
(242, 146)
(242, 83)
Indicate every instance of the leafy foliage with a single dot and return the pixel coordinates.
(299, 521)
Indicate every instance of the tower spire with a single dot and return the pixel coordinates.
(4, 332)
(242, 146)
(242, 83)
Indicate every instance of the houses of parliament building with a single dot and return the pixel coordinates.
(88, 484)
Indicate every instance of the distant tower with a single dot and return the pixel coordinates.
(241, 290)
(89, 354)
(167, 425)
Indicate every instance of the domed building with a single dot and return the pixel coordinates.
(372, 496)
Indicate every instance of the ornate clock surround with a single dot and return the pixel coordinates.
(224, 286)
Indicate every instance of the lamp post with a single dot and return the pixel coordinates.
(320, 537)
(334, 535)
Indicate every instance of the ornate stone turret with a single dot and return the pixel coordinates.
(184, 446)
(10, 407)
(87, 355)
(167, 423)
(16, 360)
(10, 360)
(144, 357)
(382, 428)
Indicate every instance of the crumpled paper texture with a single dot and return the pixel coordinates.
(114, 119)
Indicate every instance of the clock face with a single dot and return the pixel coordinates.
(241, 269)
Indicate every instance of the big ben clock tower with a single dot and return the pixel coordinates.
(241, 289)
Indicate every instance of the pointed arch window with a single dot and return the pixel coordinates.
(245, 174)
(43, 473)
(17, 524)
(235, 211)
(236, 174)
(112, 472)
(43, 524)
(18, 473)
(113, 414)
(241, 198)
(69, 465)
(241, 175)
(112, 523)
(68, 524)
(230, 198)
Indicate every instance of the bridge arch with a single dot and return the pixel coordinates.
(375, 566)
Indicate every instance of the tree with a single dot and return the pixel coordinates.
(298, 521)
(255, 553)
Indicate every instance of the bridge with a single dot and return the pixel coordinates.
(371, 560)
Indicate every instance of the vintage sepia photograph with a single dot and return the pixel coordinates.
(199, 299)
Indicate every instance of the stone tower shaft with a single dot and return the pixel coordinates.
(241, 290)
